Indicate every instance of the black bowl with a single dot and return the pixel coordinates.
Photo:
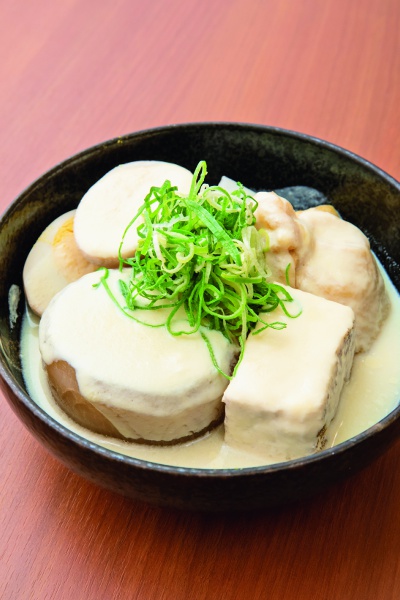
(262, 158)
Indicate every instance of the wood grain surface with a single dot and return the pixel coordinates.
(76, 72)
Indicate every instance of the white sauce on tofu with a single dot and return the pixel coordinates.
(148, 383)
(288, 385)
(371, 394)
(110, 204)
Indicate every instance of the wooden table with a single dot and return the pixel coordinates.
(74, 73)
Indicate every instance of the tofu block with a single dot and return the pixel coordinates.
(288, 385)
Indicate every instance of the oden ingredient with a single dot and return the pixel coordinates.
(54, 261)
(108, 206)
(118, 377)
(286, 235)
(288, 385)
(146, 353)
(328, 257)
(338, 264)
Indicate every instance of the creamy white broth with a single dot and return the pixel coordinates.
(369, 396)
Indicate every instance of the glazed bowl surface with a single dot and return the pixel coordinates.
(262, 158)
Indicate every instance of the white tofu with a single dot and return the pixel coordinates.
(288, 385)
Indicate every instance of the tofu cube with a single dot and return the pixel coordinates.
(288, 385)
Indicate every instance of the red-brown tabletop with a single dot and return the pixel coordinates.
(74, 73)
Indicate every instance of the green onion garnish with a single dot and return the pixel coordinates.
(202, 253)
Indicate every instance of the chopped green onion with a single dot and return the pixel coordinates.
(202, 253)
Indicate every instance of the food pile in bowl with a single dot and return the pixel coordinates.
(204, 325)
(209, 344)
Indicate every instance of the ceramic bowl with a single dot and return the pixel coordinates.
(262, 158)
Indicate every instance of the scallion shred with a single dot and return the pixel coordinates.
(203, 253)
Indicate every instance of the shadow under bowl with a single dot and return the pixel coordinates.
(262, 158)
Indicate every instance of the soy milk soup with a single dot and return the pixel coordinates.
(369, 396)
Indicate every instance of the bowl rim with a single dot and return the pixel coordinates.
(138, 463)
(272, 129)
